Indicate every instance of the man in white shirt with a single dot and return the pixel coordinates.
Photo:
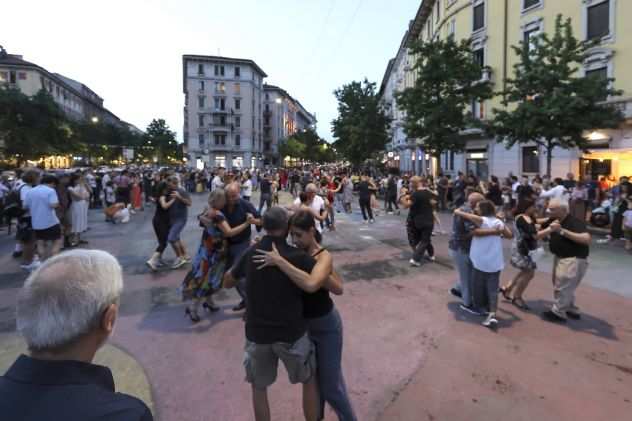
(315, 203)
(41, 201)
(558, 191)
(218, 182)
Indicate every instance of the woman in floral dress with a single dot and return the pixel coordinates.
(209, 264)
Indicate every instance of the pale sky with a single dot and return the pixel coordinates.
(130, 52)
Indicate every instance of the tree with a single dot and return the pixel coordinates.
(160, 137)
(548, 102)
(361, 128)
(448, 82)
(291, 147)
(32, 127)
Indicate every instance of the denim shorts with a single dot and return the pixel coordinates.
(176, 228)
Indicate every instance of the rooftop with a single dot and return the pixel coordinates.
(221, 59)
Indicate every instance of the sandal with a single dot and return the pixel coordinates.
(519, 302)
(505, 293)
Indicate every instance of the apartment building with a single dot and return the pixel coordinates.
(282, 117)
(222, 112)
(78, 101)
(494, 26)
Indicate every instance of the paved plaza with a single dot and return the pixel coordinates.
(409, 352)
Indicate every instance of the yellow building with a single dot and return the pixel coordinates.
(494, 26)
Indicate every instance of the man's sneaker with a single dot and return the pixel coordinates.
(414, 263)
(389, 212)
(431, 258)
(552, 317)
(456, 292)
(178, 263)
(471, 310)
(32, 266)
(371, 221)
(17, 254)
(161, 263)
(152, 264)
(490, 321)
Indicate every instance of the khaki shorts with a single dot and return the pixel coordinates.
(261, 361)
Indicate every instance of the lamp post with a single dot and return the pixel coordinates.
(94, 119)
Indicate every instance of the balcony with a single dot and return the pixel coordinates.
(219, 111)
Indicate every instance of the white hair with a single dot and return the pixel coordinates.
(66, 297)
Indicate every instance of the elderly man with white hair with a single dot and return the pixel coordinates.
(66, 311)
(569, 243)
(316, 204)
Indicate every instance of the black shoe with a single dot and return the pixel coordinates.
(17, 254)
(552, 317)
(456, 292)
(240, 306)
(192, 315)
(210, 308)
(573, 315)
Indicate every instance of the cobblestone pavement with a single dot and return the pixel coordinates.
(409, 354)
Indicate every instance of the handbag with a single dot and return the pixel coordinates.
(536, 254)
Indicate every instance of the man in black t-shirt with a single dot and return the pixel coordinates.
(420, 220)
(275, 324)
(569, 243)
(364, 196)
(266, 193)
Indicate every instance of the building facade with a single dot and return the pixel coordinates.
(494, 26)
(282, 117)
(222, 112)
(78, 101)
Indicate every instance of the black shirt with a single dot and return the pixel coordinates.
(494, 194)
(528, 232)
(319, 303)
(237, 216)
(524, 191)
(421, 209)
(563, 247)
(364, 192)
(37, 390)
(265, 186)
(274, 308)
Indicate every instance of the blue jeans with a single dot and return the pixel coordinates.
(326, 333)
(234, 253)
(464, 268)
(485, 290)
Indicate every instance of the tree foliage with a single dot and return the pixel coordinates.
(31, 127)
(306, 145)
(159, 136)
(548, 101)
(361, 128)
(438, 106)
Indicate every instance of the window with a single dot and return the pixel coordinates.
(237, 104)
(529, 36)
(479, 56)
(237, 121)
(201, 120)
(220, 87)
(201, 85)
(237, 140)
(217, 103)
(437, 12)
(222, 120)
(266, 146)
(237, 88)
(201, 139)
(529, 4)
(599, 73)
(237, 72)
(452, 28)
(478, 110)
(3, 76)
(222, 104)
(267, 97)
(200, 102)
(451, 161)
(598, 24)
(220, 139)
(530, 160)
(479, 16)
(219, 70)
(22, 75)
(200, 69)
(12, 79)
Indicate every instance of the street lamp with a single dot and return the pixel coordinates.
(95, 119)
(278, 100)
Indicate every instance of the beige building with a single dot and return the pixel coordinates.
(222, 112)
(282, 117)
(77, 100)
(494, 26)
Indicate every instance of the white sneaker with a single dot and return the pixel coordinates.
(178, 263)
(152, 264)
(490, 321)
(414, 263)
(371, 221)
(431, 258)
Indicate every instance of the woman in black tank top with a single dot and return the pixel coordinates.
(323, 321)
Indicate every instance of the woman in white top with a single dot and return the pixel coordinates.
(79, 194)
(486, 254)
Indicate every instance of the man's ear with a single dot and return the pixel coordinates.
(109, 318)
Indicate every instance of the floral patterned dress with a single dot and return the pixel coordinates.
(209, 264)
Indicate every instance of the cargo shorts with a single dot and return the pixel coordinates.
(261, 361)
